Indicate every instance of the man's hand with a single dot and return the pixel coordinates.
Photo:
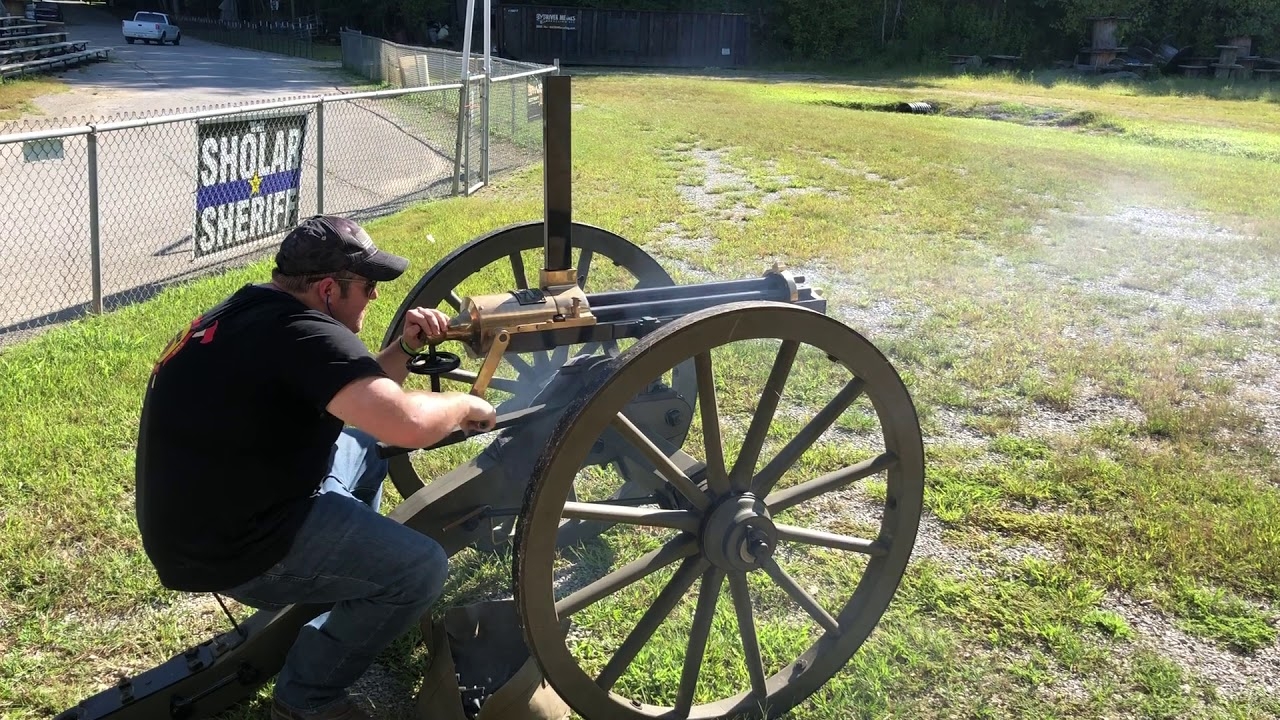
(420, 324)
(480, 415)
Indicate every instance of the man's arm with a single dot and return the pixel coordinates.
(419, 325)
(395, 362)
(414, 419)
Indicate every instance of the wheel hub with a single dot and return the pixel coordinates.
(738, 533)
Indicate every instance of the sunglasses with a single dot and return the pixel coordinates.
(370, 286)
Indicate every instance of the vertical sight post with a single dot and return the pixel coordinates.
(557, 182)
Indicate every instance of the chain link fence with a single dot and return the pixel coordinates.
(409, 66)
(103, 212)
(298, 38)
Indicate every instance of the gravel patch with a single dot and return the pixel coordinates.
(952, 428)
(853, 505)
(848, 301)
(1257, 387)
(725, 194)
(1150, 266)
(725, 188)
(868, 175)
(676, 252)
(1034, 420)
(1230, 672)
(384, 694)
(718, 177)
(1160, 260)
(1089, 409)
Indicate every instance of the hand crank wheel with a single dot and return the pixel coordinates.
(795, 558)
(511, 257)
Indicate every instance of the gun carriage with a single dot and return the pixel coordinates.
(612, 419)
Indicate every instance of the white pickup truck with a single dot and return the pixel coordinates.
(151, 27)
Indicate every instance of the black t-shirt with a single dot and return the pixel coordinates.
(235, 438)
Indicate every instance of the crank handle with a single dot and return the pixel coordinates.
(511, 419)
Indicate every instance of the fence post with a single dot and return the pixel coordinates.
(95, 246)
(462, 128)
(464, 102)
(320, 156)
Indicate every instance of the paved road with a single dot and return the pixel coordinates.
(164, 77)
(377, 154)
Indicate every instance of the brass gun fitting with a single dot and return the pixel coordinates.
(484, 317)
(485, 323)
(793, 287)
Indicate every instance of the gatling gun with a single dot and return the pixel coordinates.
(607, 475)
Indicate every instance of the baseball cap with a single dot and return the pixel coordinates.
(324, 244)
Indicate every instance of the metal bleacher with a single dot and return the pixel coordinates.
(28, 46)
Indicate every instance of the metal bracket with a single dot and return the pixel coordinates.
(491, 361)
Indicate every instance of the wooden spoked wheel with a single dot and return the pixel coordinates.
(796, 525)
(506, 259)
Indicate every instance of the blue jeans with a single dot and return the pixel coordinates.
(380, 575)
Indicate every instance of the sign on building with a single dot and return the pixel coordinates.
(248, 177)
(555, 20)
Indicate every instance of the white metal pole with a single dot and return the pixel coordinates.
(484, 107)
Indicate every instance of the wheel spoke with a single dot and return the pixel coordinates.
(592, 348)
(678, 548)
(628, 515)
(584, 267)
(662, 605)
(454, 301)
(831, 540)
(745, 466)
(747, 629)
(717, 480)
(802, 597)
(808, 435)
(665, 466)
(560, 356)
(782, 499)
(517, 270)
(497, 383)
(708, 595)
(519, 363)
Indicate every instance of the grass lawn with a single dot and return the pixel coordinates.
(1077, 281)
(16, 94)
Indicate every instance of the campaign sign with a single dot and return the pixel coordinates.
(248, 176)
